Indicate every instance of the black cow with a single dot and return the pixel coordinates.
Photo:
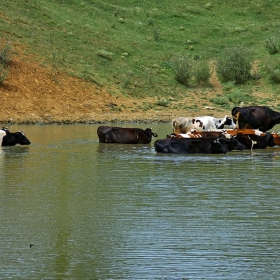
(256, 117)
(111, 134)
(256, 141)
(232, 144)
(13, 138)
(189, 146)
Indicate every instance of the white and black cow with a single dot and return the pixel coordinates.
(202, 123)
(13, 138)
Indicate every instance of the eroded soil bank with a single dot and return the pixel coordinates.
(34, 94)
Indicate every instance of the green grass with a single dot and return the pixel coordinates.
(128, 46)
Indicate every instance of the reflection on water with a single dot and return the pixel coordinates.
(111, 211)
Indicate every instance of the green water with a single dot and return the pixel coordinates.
(109, 211)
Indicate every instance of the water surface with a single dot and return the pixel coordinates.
(112, 211)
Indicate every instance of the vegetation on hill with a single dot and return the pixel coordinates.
(132, 47)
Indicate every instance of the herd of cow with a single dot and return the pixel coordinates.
(247, 129)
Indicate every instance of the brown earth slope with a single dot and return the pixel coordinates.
(34, 94)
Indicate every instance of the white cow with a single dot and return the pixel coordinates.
(202, 123)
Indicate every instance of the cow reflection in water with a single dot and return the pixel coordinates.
(111, 134)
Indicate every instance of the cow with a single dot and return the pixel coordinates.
(203, 123)
(276, 138)
(255, 141)
(13, 138)
(203, 134)
(226, 139)
(2, 134)
(112, 134)
(189, 146)
(256, 117)
(232, 143)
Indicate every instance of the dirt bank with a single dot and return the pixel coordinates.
(35, 94)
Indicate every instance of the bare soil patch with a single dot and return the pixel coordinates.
(34, 94)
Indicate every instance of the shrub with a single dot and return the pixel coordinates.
(5, 58)
(236, 96)
(272, 45)
(272, 68)
(182, 67)
(202, 73)
(228, 86)
(234, 65)
(220, 100)
(3, 74)
(105, 54)
(162, 102)
(5, 55)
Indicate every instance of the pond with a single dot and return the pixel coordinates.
(112, 211)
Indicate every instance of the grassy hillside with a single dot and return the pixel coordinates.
(128, 46)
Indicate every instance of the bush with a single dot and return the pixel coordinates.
(220, 100)
(272, 45)
(3, 74)
(272, 68)
(5, 55)
(235, 96)
(202, 73)
(5, 58)
(234, 65)
(182, 67)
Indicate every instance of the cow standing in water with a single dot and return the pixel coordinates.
(256, 117)
(189, 146)
(13, 138)
(111, 134)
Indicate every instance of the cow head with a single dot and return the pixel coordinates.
(270, 140)
(234, 144)
(149, 130)
(22, 139)
(218, 147)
